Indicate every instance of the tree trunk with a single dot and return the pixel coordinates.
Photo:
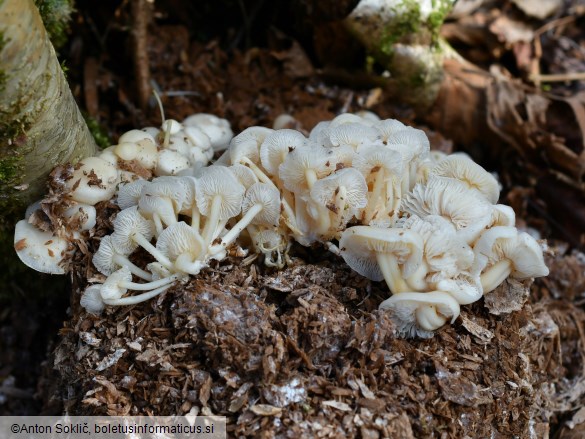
(40, 124)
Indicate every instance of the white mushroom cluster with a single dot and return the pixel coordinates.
(370, 190)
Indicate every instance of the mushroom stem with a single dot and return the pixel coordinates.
(311, 177)
(195, 217)
(142, 242)
(235, 231)
(340, 204)
(391, 271)
(150, 285)
(416, 281)
(186, 264)
(212, 221)
(495, 275)
(133, 300)
(290, 218)
(375, 196)
(428, 318)
(137, 271)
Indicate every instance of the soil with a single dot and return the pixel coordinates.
(302, 351)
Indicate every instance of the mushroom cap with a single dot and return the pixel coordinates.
(370, 159)
(388, 127)
(418, 314)
(521, 249)
(244, 175)
(103, 258)
(197, 137)
(218, 130)
(108, 154)
(360, 244)
(325, 190)
(128, 222)
(171, 162)
(284, 121)
(276, 146)
(93, 180)
(450, 199)
(129, 193)
(368, 117)
(179, 239)
(293, 169)
(352, 134)
(247, 144)
(503, 215)
(462, 168)
(39, 250)
(176, 189)
(139, 137)
(111, 287)
(171, 126)
(92, 300)
(416, 140)
(445, 251)
(219, 180)
(320, 133)
(466, 289)
(84, 215)
(267, 196)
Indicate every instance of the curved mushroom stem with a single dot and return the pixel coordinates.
(340, 205)
(158, 227)
(235, 231)
(132, 300)
(137, 271)
(289, 214)
(195, 217)
(150, 285)
(311, 177)
(392, 274)
(142, 242)
(428, 318)
(417, 281)
(495, 275)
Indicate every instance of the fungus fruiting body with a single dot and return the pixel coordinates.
(369, 190)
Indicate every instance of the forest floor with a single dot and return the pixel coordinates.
(304, 350)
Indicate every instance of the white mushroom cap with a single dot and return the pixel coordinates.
(320, 133)
(284, 121)
(171, 126)
(247, 144)
(39, 250)
(503, 215)
(129, 193)
(388, 128)
(84, 213)
(451, 199)
(32, 208)
(180, 239)
(244, 175)
(111, 288)
(303, 166)
(464, 288)
(352, 134)
(126, 223)
(109, 155)
(462, 168)
(104, 258)
(179, 143)
(368, 117)
(139, 137)
(126, 150)
(197, 137)
(276, 147)
(92, 300)
(345, 118)
(171, 163)
(348, 180)
(219, 180)
(93, 180)
(266, 196)
(418, 314)
(218, 130)
(361, 245)
(153, 131)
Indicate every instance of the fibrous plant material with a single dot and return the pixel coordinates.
(427, 224)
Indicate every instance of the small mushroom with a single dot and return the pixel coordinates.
(108, 259)
(39, 250)
(184, 245)
(92, 181)
(419, 314)
(361, 246)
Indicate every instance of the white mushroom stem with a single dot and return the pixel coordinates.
(495, 275)
(122, 261)
(392, 275)
(148, 286)
(235, 231)
(133, 300)
(142, 242)
(195, 217)
(212, 221)
(375, 196)
(289, 214)
(417, 281)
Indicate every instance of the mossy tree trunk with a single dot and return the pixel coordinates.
(40, 124)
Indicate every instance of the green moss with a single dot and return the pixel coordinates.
(99, 133)
(437, 17)
(3, 76)
(56, 15)
(408, 22)
(10, 168)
